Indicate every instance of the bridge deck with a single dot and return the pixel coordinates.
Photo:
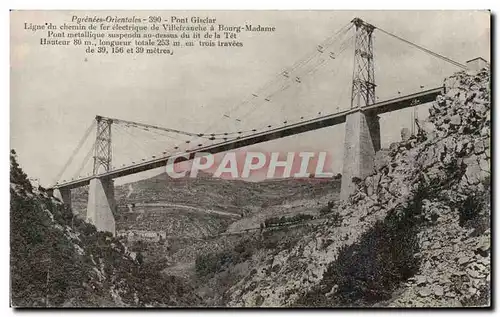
(273, 134)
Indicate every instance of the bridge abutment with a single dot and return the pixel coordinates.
(362, 141)
(101, 203)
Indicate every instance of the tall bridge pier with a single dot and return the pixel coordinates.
(101, 201)
(362, 129)
(362, 141)
(101, 204)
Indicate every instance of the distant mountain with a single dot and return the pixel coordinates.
(201, 206)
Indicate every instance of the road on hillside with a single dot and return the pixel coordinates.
(209, 211)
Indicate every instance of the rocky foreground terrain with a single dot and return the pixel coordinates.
(58, 260)
(416, 233)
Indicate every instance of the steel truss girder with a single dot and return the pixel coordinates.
(363, 78)
(103, 151)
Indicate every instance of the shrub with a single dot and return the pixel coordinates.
(481, 299)
(370, 270)
(17, 175)
(337, 218)
(280, 221)
(325, 210)
(473, 212)
(209, 264)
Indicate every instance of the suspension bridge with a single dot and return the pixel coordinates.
(361, 119)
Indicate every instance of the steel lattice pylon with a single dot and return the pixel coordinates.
(363, 77)
(102, 150)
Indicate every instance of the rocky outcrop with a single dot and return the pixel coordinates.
(455, 254)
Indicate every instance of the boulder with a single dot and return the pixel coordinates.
(485, 131)
(438, 290)
(463, 260)
(424, 291)
(420, 280)
(473, 273)
(484, 165)
(472, 172)
(480, 108)
(478, 147)
(472, 291)
(484, 244)
(455, 120)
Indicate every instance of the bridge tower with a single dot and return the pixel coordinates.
(101, 200)
(362, 130)
(102, 150)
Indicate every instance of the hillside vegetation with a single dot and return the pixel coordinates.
(57, 259)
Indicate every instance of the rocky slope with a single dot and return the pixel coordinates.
(415, 233)
(59, 260)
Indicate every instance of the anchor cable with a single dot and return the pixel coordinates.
(423, 49)
(75, 151)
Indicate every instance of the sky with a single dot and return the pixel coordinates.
(56, 92)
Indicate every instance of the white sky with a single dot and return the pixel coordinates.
(56, 93)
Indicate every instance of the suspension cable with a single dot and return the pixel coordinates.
(84, 162)
(225, 135)
(77, 148)
(326, 43)
(423, 49)
(152, 126)
(131, 137)
(306, 73)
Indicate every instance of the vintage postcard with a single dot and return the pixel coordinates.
(250, 159)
